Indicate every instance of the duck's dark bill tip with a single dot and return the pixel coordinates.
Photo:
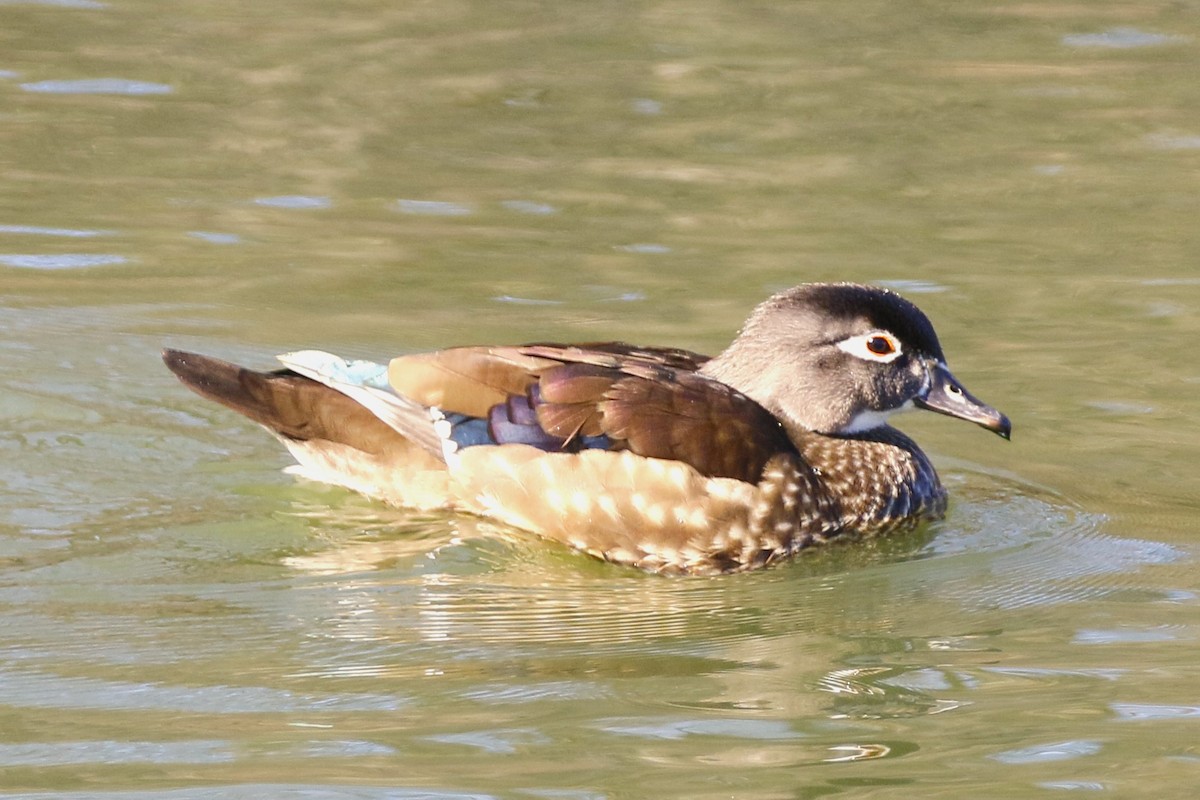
(989, 418)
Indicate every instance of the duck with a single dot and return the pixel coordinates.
(654, 457)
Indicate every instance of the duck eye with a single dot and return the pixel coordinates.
(876, 347)
(881, 345)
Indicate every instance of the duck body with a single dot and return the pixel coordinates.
(655, 457)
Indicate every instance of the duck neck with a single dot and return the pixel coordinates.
(768, 378)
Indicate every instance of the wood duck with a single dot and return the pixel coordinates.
(655, 457)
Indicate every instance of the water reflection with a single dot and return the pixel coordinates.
(1044, 554)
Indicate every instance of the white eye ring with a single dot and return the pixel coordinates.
(878, 346)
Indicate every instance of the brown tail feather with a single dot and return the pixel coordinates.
(287, 403)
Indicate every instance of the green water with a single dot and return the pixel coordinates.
(180, 620)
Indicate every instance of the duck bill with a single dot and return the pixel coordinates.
(947, 396)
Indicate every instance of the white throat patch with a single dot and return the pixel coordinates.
(870, 420)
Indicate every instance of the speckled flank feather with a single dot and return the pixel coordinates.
(654, 457)
(658, 515)
(662, 516)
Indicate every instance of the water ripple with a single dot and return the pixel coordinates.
(257, 791)
(215, 238)
(60, 260)
(1120, 38)
(38, 230)
(526, 301)
(529, 207)
(1043, 753)
(58, 3)
(1125, 636)
(27, 689)
(45, 754)
(1018, 550)
(98, 86)
(499, 742)
(536, 692)
(1165, 141)
(673, 729)
(1102, 673)
(646, 106)
(434, 208)
(1139, 712)
(294, 201)
(648, 248)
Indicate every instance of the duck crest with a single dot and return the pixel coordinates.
(655, 457)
